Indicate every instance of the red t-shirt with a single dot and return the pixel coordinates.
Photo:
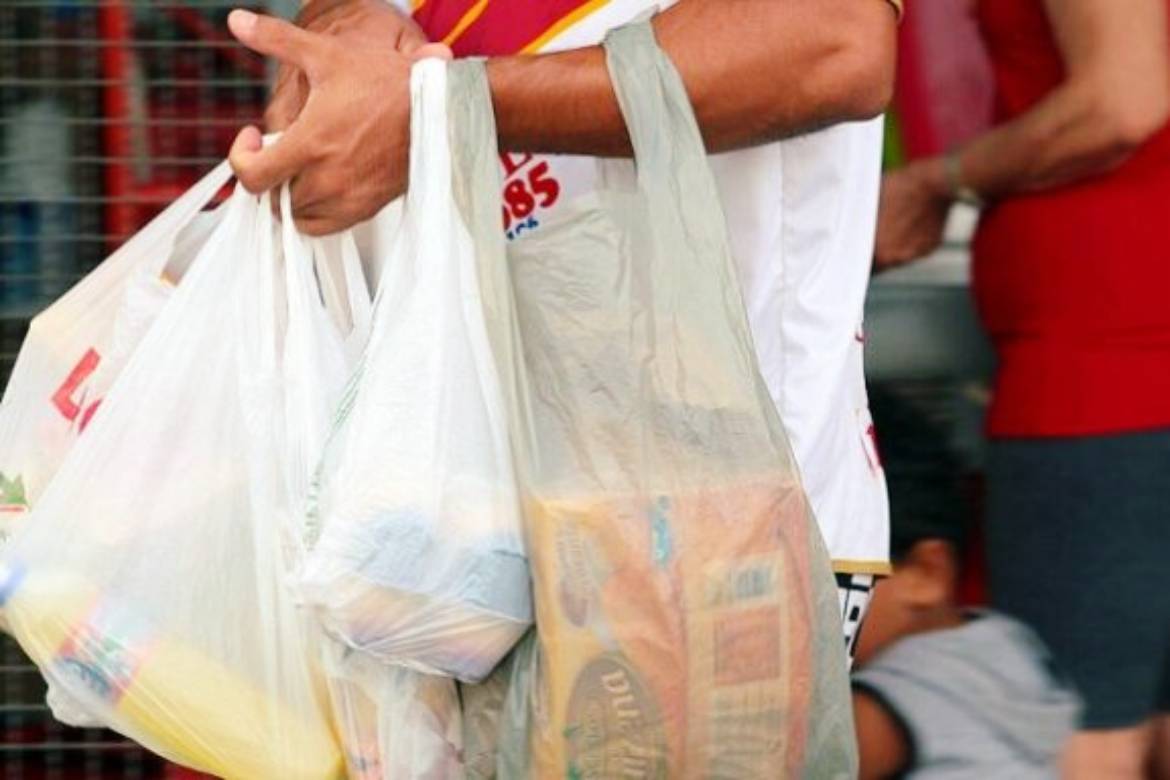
(1073, 283)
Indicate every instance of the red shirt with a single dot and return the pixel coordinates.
(1073, 283)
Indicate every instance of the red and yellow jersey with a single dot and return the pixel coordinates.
(496, 27)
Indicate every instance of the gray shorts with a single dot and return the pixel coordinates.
(1078, 542)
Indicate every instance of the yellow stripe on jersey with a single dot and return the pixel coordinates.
(465, 21)
(565, 22)
(862, 567)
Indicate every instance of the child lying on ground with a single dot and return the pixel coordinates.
(945, 692)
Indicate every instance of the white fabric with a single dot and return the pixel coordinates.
(802, 214)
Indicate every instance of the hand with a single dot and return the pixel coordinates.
(368, 22)
(915, 202)
(346, 151)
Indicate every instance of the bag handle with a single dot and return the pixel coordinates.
(430, 159)
(306, 325)
(669, 153)
(343, 281)
(176, 216)
(693, 271)
(357, 289)
(263, 316)
(477, 184)
(146, 250)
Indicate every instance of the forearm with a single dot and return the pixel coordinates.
(756, 71)
(1063, 139)
(1116, 94)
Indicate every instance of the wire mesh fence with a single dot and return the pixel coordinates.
(108, 110)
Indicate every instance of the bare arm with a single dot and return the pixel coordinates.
(1116, 95)
(755, 69)
(881, 741)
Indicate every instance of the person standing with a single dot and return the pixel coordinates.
(788, 91)
(1071, 277)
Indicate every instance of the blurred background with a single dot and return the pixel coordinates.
(111, 108)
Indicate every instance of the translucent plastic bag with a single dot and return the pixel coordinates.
(151, 586)
(76, 347)
(395, 724)
(417, 557)
(687, 622)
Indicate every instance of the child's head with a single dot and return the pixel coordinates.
(920, 593)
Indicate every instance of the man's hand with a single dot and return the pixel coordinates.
(755, 70)
(362, 22)
(915, 202)
(346, 152)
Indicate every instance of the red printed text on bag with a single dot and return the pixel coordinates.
(70, 398)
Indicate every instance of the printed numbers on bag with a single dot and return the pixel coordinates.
(72, 406)
(518, 200)
(530, 186)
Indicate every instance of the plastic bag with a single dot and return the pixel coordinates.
(687, 622)
(417, 557)
(152, 586)
(76, 347)
(395, 724)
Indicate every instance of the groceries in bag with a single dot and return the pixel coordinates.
(152, 587)
(395, 724)
(75, 349)
(119, 661)
(687, 623)
(668, 631)
(415, 531)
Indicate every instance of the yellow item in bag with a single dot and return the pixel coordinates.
(158, 689)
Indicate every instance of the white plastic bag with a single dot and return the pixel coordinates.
(150, 587)
(395, 724)
(417, 557)
(76, 347)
